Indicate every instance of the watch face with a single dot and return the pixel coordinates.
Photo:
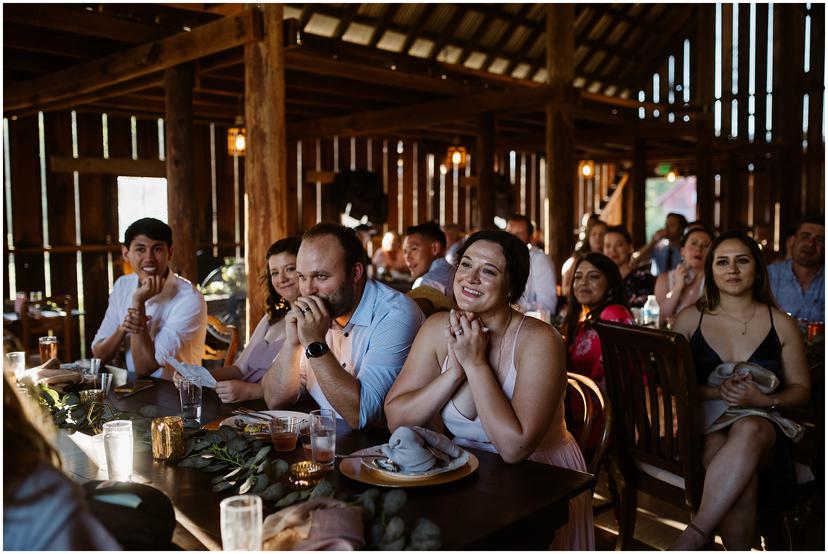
(316, 349)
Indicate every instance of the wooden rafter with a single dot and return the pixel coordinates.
(527, 44)
(507, 34)
(137, 62)
(447, 32)
(655, 49)
(345, 22)
(474, 41)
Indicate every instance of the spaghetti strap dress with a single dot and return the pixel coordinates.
(778, 481)
(558, 448)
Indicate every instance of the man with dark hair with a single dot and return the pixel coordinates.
(153, 313)
(540, 294)
(424, 250)
(664, 247)
(347, 336)
(454, 240)
(799, 282)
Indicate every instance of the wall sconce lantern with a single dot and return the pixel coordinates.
(587, 168)
(456, 157)
(237, 138)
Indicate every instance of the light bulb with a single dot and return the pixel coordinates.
(671, 176)
(241, 143)
(456, 158)
(586, 170)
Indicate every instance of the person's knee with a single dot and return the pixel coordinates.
(753, 433)
(713, 443)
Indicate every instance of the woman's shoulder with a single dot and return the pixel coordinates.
(533, 331)
(686, 320)
(784, 324)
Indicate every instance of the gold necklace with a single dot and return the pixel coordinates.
(744, 323)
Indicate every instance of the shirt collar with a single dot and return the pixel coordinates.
(364, 311)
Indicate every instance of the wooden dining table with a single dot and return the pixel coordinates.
(500, 506)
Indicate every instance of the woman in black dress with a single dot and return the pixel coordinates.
(736, 320)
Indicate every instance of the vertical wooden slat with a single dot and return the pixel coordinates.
(147, 131)
(98, 213)
(361, 144)
(422, 183)
(391, 165)
(25, 189)
(308, 187)
(408, 167)
(744, 70)
(225, 201)
(815, 164)
(291, 188)
(636, 187)
(202, 201)
(727, 67)
(702, 91)
(332, 160)
(484, 160)
(761, 65)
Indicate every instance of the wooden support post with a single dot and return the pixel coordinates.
(560, 132)
(703, 87)
(484, 168)
(266, 211)
(635, 198)
(178, 92)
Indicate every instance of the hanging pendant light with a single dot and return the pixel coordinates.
(237, 138)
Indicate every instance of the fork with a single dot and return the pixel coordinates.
(253, 413)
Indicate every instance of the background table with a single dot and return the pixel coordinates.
(500, 506)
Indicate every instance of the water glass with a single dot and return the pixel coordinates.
(99, 451)
(323, 437)
(16, 364)
(189, 389)
(48, 347)
(118, 447)
(283, 432)
(241, 522)
(305, 439)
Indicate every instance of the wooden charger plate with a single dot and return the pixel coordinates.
(353, 468)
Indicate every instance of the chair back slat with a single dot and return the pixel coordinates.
(593, 402)
(652, 383)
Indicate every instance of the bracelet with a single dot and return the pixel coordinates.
(774, 403)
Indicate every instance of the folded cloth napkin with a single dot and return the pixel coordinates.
(718, 415)
(415, 449)
(318, 524)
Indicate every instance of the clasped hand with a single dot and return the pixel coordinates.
(308, 321)
(739, 390)
(134, 322)
(467, 340)
(149, 287)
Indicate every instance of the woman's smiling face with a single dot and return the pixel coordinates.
(480, 280)
(589, 284)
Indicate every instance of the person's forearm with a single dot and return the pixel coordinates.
(143, 353)
(498, 417)
(341, 389)
(281, 384)
(667, 307)
(793, 396)
(707, 392)
(417, 407)
(107, 348)
(227, 373)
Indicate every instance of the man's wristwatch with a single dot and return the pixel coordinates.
(316, 349)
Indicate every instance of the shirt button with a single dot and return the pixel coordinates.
(346, 334)
(344, 364)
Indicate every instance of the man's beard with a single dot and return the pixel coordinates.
(341, 302)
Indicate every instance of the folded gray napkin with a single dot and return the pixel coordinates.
(415, 449)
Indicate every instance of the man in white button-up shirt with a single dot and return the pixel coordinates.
(540, 293)
(153, 312)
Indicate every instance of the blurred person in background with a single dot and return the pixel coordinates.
(638, 283)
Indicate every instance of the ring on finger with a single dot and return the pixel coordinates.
(458, 332)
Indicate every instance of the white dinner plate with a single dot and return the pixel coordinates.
(231, 421)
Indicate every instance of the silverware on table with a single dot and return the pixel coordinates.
(342, 456)
(252, 414)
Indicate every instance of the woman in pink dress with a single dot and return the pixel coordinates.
(492, 376)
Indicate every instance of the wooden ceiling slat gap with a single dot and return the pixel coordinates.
(417, 29)
(446, 33)
(504, 38)
(530, 41)
(382, 25)
(472, 43)
(656, 47)
(345, 21)
(307, 11)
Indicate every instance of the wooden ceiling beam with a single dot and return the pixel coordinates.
(352, 89)
(474, 41)
(655, 52)
(55, 43)
(345, 22)
(527, 44)
(83, 22)
(207, 39)
(447, 32)
(437, 111)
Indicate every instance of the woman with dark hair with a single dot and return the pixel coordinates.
(618, 247)
(597, 294)
(241, 381)
(591, 240)
(494, 377)
(682, 287)
(737, 320)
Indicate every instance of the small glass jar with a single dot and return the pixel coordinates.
(167, 438)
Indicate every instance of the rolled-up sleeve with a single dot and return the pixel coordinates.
(185, 326)
(115, 310)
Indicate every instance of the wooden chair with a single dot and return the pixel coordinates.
(224, 335)
(582, 420)
(657, 431)
(46, 319)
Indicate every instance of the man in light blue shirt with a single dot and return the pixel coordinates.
(346, 336)
(798, 284)
(424, 250)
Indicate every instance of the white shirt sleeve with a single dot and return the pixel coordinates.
(542, 282)
(184, 325)
(115, 312)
